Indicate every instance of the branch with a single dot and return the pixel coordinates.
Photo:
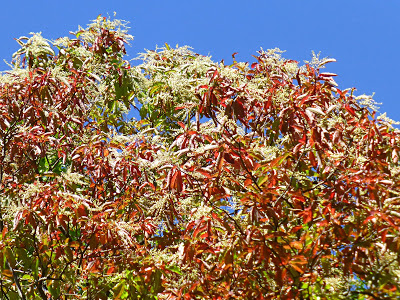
(321, 183)
(368, 294)
(290, 183)
(216, 207)
(17, 283)
(247, 170)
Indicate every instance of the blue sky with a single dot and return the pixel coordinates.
(364, 36)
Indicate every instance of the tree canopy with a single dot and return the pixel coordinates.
(241, 181)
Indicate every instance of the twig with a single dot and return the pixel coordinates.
(247, 170)
(16, 280)
(216, 207)
(290, 182)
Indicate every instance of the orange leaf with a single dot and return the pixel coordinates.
(7, 273)
(297, 268)
(307, 216)
(110, 270)
(199, 228)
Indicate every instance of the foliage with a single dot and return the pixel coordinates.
(239, 182)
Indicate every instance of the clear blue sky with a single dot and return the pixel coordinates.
(364, 36)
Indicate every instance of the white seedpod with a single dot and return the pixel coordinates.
(5, 121)
(95, 77)
(210, 147)
(168, 166)
(331, 81)
(148, 130)
(302, 96)
(316, 110)
(326, 61)
(310, 115)
(65, 81)
(327, 74)
(27, 109)
(332, 107)
(37, 150)
(182, 152)
(395, 156)
(386, 181)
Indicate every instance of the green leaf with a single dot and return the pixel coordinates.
(262, 179)
(13, 295)
(21, 255)
(155, 88)
(119, 290)
(175, 269)
(143, 112)
(43, 165)
(10, 256)
(112, 105)
(54, 288)
(35, 268)
(157, 286)
(274, 132)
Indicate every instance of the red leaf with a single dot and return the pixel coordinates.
(248, 182)
(214, 75)
(200, 227)
(238, 109)
(296, 228)
(296, 149)
(204, 172)
(307, 215)
(229, 158)
(303, 139)
(216, 217)
(213, 99)
(204, 235)
(311, 157)
(178, 184)
(350, 110)
(81, 210)
(228, 259)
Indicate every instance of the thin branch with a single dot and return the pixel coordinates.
(216, 207)
(16, 280)
(247, 170)
(290, 182)
(321, 183)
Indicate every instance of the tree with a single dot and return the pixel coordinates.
(237, 182)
